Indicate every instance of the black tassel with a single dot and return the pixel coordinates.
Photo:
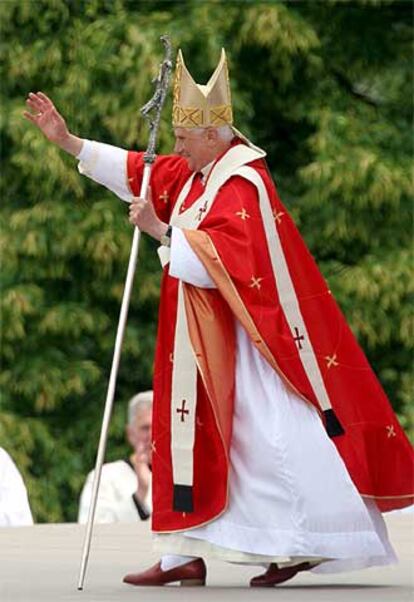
(333, 427)
(183, 498)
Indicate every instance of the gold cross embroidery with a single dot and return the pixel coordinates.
(278, 216)
(255, 283)
(331, 360)
(220, 115)
(164, 197)
(243, 214)
(191, 115)
(390, 431)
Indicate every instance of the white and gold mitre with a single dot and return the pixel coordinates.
(197, 106)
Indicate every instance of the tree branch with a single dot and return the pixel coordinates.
(353, 90)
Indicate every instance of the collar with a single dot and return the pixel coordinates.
(205, 171)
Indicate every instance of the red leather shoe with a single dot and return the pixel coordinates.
(192, 573)
(274, 575)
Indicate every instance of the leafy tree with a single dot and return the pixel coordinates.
(324, 87)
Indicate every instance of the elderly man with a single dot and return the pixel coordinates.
(125, 487)
(273, 442)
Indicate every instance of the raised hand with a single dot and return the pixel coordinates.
(141, 460)
(47, 118)
(44, 115)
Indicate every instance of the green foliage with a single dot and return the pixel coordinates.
(323, 86)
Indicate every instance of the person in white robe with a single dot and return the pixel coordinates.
(125, 488)
(14, 502)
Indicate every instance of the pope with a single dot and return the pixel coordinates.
(273, 441)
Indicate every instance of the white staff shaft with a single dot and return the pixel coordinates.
(133, 258)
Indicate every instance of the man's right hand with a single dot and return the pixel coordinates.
(47, 118)
(141, 462)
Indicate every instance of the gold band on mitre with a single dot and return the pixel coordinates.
(195, 105)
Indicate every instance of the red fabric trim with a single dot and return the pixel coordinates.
(210, 456)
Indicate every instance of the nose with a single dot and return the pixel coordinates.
(177, 147)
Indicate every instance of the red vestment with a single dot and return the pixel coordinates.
(231, 244)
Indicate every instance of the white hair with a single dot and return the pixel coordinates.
(225, 133)
(139, 402)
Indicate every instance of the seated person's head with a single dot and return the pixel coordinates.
(139, 427)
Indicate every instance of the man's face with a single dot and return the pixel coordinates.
(140, 432)
(193, 146)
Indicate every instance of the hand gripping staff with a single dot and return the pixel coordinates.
(154, 105)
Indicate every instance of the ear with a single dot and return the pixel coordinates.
(212, 136)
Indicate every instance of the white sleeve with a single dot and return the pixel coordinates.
(106, 165)
(14, 504)
(104, 504)
(184, 263)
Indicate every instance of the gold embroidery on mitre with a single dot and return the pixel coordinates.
(177, 82)
(189, 117)
(221, 115)
(195, 105)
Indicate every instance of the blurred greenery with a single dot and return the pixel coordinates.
(325, 87)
